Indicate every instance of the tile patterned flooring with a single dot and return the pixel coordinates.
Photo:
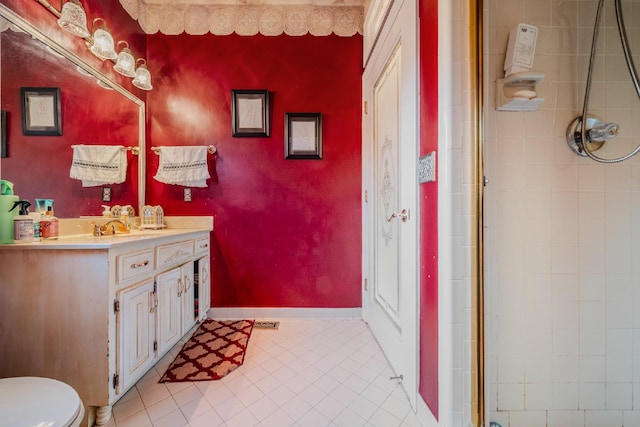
(309, 372)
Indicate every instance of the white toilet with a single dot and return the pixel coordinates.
(35, 401)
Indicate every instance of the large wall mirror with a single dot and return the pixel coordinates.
(93, 110)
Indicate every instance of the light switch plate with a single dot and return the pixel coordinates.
(187, 194)
(427, 168)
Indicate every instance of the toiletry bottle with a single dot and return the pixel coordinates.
(124, 217)
(6, 217)
(22, 223)
(36, 225)
(7, 199)
(49, 225)
(106, 211)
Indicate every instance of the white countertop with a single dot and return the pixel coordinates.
(84, 240)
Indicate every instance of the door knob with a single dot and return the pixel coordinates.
(404, 215)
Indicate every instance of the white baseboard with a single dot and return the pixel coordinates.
(284, 313)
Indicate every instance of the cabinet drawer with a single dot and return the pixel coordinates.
(202, 245)
(175, 252)
(134, 264)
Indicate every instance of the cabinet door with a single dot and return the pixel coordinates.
(204, 287)
(136, 333)
(187, 303)
(169, 297)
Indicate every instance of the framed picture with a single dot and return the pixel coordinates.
(249, 113)
(41, 111)
(3, 133)
(303, 136)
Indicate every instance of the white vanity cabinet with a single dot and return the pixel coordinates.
(154, 306)
(98, 313)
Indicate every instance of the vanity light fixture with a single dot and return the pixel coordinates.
(73, 19)
(125, 64)
(143, 77)
(103, 44)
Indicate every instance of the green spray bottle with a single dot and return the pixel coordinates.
(22, 223)
(7, 199)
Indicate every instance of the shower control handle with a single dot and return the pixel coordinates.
(603, 131)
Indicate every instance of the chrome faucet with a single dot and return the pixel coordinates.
(110, 227)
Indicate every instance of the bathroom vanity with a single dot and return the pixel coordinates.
(99, 312)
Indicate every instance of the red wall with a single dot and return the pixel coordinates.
(287, 232)
(428, 388)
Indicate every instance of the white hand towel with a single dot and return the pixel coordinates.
(98, 165)
(183, 165)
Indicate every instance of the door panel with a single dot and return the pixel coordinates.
(387, 186)
(187, 298)
(204, 287)
(169, 299)
(137, 332)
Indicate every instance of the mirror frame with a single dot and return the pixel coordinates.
(34, 32)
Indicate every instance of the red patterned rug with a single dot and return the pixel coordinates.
(215, 349)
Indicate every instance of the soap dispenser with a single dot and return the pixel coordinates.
(49, 226)
(22, 223)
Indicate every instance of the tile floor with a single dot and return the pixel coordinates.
(320, 372)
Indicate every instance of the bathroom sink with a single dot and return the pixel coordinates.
(133, 234)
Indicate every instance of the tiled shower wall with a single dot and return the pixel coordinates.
(562, 232)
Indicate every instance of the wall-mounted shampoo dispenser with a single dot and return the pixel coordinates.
(517, 91)
(521, 49)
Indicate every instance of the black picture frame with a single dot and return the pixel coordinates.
(3, 133)
(303, 136)
(41, 113)
(250, 113)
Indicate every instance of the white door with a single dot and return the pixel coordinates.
(136, 332)
(390, 217)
